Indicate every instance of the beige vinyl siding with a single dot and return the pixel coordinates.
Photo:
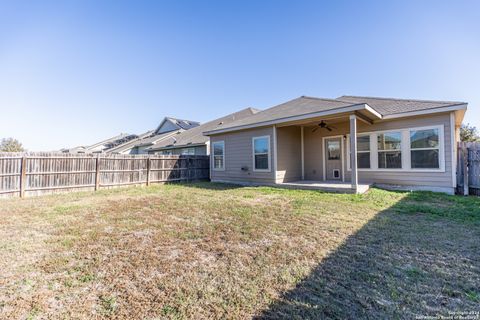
(313, 162)
(289, 164)
(314, 157)
(238, 154)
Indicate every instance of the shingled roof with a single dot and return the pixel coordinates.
(130, 144)
(195, 135)
(304, 106)
(390, 106)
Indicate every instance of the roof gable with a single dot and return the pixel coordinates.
(170, 124)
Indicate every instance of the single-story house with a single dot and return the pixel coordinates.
(351, 140)
(167, 128)
(192, 141)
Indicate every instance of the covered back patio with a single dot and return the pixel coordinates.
(320, 152)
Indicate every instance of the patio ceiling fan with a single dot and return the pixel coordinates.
(323, 125)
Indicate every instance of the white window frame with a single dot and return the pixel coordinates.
(420, 149)
(405, 149)
(369, 150)
(269, 153)
(221, 142)
(401, 149)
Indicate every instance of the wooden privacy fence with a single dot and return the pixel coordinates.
(468, 170)
(26, 174)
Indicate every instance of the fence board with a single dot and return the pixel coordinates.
(468, 171)
(43, 173)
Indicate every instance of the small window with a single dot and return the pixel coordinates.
(333, 148)
(389, 150)
(219, 155)
(425, 149)
(261, 153)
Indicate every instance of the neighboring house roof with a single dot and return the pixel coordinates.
(195, 135)
(172, 124)
(102, 145)
(79, 149)
(307, 107)
(130, 144)
(154, 139)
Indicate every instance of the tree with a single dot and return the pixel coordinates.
(469, 133)
(11, 145)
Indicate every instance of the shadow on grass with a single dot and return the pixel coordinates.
(415, 258)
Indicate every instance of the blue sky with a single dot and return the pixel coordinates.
(75, 72)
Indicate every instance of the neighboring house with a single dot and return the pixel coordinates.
(167, 128)
(137, 144)
(193, 142)
(359, 140)
(104, 145)
(128, 147)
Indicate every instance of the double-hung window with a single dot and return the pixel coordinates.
(425, 149)
(218, 155)
(363, 152)
(261, 153)
(389, 150)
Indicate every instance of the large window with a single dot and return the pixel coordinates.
(409, 149)
(219, 155)
(389, 150)
(261, 153)
(425, 149)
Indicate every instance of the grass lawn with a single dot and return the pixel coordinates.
(216, 251)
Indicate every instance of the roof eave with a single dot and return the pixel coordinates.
(455, 107)
(177, 146)
(350, 108)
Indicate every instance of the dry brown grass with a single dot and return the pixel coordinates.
(212, 251)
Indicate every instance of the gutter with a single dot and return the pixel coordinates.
(177, 146)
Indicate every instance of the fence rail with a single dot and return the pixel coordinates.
(28, 174)
(468, 169)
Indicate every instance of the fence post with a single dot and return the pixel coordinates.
(148, 171)
(97, 173)
(23, 177)
(465, 170)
